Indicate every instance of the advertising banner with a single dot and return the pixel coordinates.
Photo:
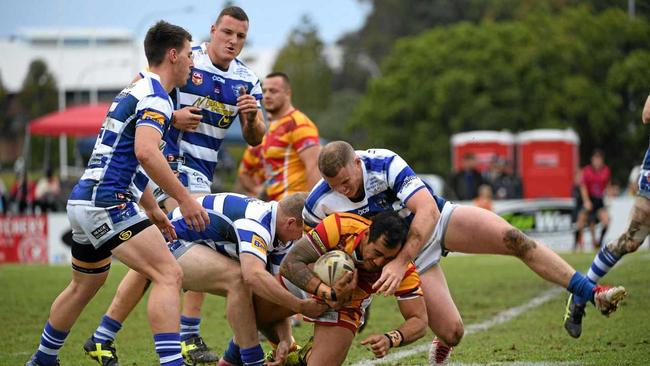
(23, 239)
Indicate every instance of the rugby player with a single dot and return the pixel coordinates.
(220, 91)
(628, 242)
(371, 245)
(377, 180)
(103, 207)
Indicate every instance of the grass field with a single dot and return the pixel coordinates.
(482, 286)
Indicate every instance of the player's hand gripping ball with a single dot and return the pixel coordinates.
(332, 265)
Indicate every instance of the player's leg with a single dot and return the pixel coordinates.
(629, 241)
(67, 307)
(444, 318)
(206, 270)
(191, 339)
(129, 293)
(330, 345)
(147, 253)
(498, 237)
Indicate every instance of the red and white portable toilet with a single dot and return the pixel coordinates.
(486, 145)
(548, 161)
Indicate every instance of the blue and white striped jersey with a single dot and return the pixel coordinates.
(238, 224)
(112, 176)
(388, 181)
(215, 91)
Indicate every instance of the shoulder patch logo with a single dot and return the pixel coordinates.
(259, 243)
(154, 116)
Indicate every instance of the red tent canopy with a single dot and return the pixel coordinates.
(77, 121)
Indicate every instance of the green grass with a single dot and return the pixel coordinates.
(482, 286)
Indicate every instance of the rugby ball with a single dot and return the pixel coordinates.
(332, 265)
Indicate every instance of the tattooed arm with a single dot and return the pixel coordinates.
(295, 268)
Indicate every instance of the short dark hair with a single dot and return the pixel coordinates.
(279, 74)
(160, 38)
(392, 226)
(232, 11)
(334, 156)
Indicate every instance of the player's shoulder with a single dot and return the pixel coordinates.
(320, 190)
(241, 71)
(300, 118)
(149, 86)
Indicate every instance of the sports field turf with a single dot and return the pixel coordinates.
(482, 286)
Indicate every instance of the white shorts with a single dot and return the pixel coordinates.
(644, 183)
(433, 249)
(193, 180)
(98, 225)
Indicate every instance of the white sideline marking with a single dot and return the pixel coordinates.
(500, 318)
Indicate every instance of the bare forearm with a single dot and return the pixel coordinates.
(157, 169)
(413, 329)
(254, 131)
(148, 201)
(645, 117)
(283, 330)
(419, 232)
(267, 287)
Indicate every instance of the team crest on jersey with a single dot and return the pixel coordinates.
(197, 78)
(217, 89)
(154, 116)
(259, 243)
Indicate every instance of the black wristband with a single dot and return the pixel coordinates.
(390, 340)
(332, 294)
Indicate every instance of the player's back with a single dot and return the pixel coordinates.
(112, 176)
(215, 91)
(388, 183)
(227, 211)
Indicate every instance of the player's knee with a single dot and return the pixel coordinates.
(87, 288)
(171, 276)
(518, 243)
(451, 336)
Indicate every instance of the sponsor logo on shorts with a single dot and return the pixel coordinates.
(125, 235)
(259, 243)
(101, 231)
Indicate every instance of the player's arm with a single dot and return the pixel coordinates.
(414, 327)
(155, 214)
(253, 127)
(295, 268)
(153, 162)
(645, 116)
(426, 216)
(283, 330)
(309, 158)
(266, 286)
(584, 193)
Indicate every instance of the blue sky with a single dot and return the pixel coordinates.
(271, 21)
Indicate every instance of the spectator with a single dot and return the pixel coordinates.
(465, 182)
(21, 194)
(505, 184)
(484, 199)
(595, 182)
(48, 192)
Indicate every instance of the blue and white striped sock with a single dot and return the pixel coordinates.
(189, 327)
(581, 288)
(253, 356)
(603, 262)
(168, 347)
(106, 330)
(51, 342)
